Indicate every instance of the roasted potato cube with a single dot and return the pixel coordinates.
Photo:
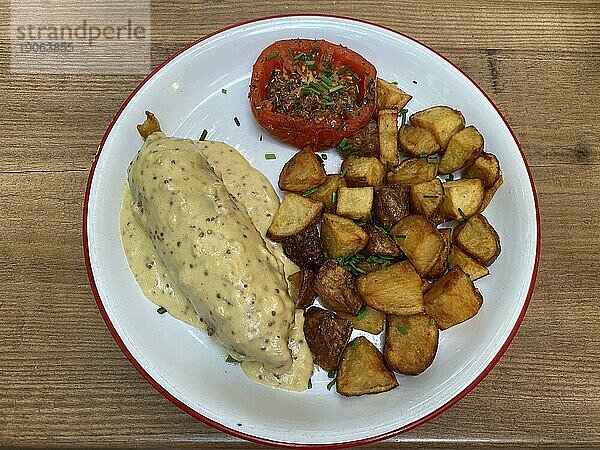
(452, 299)
(302, 172)
(478, 238)
(426, 199)
(305, 248)
(417, 142)
(327, 192)
(441, 264)
(393, 290)
(462, 198)
(355, 203)
(442, 121)
(469, 266)
(413, 171)
(462, 149)
(388, 136)
(485, 167)
(362, 171)
(368, 319)
(489, 193)
(326, 335)
(362, 370)
(294, 215)
(336, 287)
(380, 244)
(420, 241)
(390, 96)
(410, 343)
(425, 286)
(303, 291)
(365, 142)
(390, 204)
(341, 237)
(149, 126)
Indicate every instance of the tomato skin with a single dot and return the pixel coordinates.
(297, 131)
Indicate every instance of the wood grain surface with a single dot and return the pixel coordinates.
(63, 379)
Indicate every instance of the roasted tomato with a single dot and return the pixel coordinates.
(312, 93)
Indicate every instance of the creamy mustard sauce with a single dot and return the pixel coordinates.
(192, 226)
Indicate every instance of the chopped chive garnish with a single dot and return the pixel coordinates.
(354, 343)
(309, 383)
(334, 198)
(395, 83)
(231, 360)
(331, 374)
(326, 81)
(161, 310)
(343, 70)
(401, 329)
(430, 196)
(339, 87)
(400, 236)
(449, 259)
(431, 322)
(305, 91)
(381, 229)
(450, 177)
(422, 155)
(310, 62)
(310, 191)
(462, 214)
(203, 135)
(237, 121)
(324, 156)
(272, 55)
(317, 87)
(330, 384)
(343, 174)
(432, 160)
(362, 313)
(270, 156)
(260, 138)
(224, 91)
(403, 113)
(352, 286)
(332, 103)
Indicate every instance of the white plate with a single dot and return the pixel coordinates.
(182, 363)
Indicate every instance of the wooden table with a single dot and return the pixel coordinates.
(64, 381)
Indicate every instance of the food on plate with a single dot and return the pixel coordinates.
(411, 343)
(305, 248)
(390, 204)
(442, 121)
(420, 241)
(327, 192)
(302, 172)
(486, 168)
(478, 238)
(355, 203)
(389, 96)
(380, 243)
(462, 198)
(365, 142)
(489, 192)
(302, 288)
(362, 171)
(342, 237)
(413, 171)
(426, 199)
(295, 214)
(452, 299)
(387, 121)
(441, 265)
(335, 285)
(327, 335)
(395, 289)
(193, 225)
(469, 265)
(368, 319)
(312, 92)
(362, 370)
(463, 148)
(417, 142)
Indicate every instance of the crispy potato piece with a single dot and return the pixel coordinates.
(411, 343)
(368, 319)
(327, 192)
(305, 248)
(417, 142)
(335, 285)
(441, 264)
(388, 136)
(452, 299)
(362, 370)
(302, 172)
(462, 149)
(390, 96)
(471, 267)
(393, 290)
(420, 241)
(425, 286)
(442, 121)
(485, 167)
(294, 215)
(478, 238)
(380, 244)
(413, 171)
(355, 203)
(489, 193)
(303, 291)
(361, 171)
(326, 335)
(341, 237)
(365, 142)
(464, 195)
(390, 204)
(426, 199)
(149, 126)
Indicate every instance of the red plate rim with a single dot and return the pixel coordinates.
(265, 441)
